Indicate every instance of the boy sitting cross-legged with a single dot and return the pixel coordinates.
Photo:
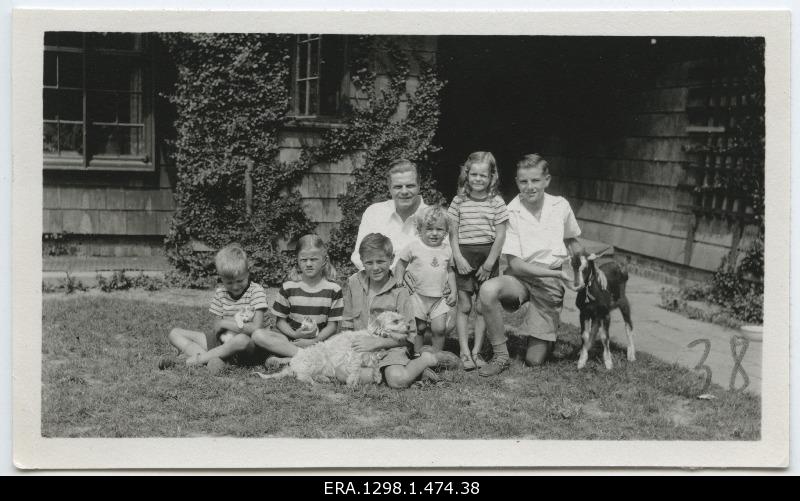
(238, 307)
(371, 292)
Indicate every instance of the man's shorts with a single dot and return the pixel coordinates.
(475, 255)
(546, 298)
(427, 308)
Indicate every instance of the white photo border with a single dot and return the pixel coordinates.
(32, 451)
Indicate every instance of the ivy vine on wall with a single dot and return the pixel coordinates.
(379, 133)
(231, 98)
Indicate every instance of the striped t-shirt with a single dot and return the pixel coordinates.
(477, 219)
(296, 300)
(223, 305)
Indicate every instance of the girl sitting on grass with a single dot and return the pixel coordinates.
(309, 305)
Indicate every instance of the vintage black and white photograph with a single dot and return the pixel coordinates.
(426, 237)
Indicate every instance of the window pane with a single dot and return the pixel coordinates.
(314, 69)
(50, 69)
(302, 64)
(113, 107)
(301, 98)
(114, 73)
(71, 138)
(117, 140)
(102, 107)
(63, 104)
(117, 41)
(130, 108)
(50, 104)
(313, 97)
(50, 139)
(70, 70)
(332, 74)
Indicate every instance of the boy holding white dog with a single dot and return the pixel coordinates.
(372, 291)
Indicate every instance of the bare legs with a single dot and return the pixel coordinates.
(194, 345)
(274, 342)
(399, 376)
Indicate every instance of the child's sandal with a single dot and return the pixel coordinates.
(479, 361)
(469, 364)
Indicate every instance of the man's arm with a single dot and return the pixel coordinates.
(372, 343)
(519, 268)
(575, 248)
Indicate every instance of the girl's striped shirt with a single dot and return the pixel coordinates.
(223, 305)
(296, 300)
(477, 219)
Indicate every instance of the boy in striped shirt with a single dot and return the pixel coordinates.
(238, 307)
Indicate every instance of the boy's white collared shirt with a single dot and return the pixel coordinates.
(540, 240)
(382, 217)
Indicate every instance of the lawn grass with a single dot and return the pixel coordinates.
(100, 379)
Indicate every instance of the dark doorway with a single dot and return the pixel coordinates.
(514, 95)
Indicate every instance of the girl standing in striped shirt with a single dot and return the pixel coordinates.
(480, 216)
(308, 306)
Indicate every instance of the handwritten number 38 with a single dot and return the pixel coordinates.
(700, 365)
(736, 341)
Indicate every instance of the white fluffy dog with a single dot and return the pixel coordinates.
(335, 357)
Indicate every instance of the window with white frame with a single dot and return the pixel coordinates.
(319, 75)
(97, 101)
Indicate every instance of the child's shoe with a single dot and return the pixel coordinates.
(272, 363)
(215, 366)
(447, 360)
(428, 376)
(469, 364)
(495, 367)
(167, 363)
(479, 361)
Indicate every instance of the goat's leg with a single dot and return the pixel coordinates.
(588, 341)
(606, 339)
(625, 309)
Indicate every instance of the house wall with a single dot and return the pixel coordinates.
(109, 214)
(626, 189)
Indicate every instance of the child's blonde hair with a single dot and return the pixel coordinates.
(231, 261)
(431, 215)
(314, 242)
(478, 158)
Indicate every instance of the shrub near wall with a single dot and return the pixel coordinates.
(231, 97)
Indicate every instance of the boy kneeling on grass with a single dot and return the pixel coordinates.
(373, 291)
(238, 307)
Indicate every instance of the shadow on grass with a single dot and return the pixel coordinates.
(100, 379)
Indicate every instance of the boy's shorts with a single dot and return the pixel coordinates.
(254, 355)
(546, 298)
(394, 356)
(475, 255)
(426, 308)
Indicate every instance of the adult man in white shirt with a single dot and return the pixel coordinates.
(395, 218)
(540, 237)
